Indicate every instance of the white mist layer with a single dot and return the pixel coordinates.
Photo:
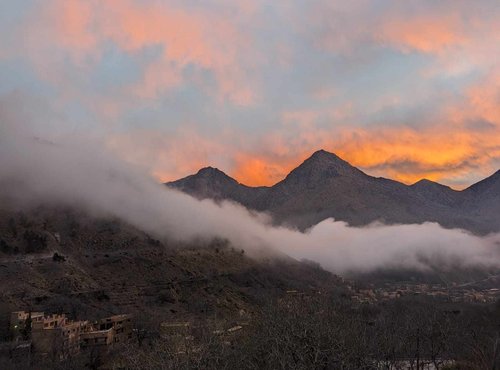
(81, 173)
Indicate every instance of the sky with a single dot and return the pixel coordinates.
(401, 89)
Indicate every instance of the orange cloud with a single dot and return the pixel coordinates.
(255, 171)
(403, 154)
(406, 26)
(463, 148)
(208, 40)
(200, 37)
(75, 21)
(220, 41)
(460, 146)
(428, 34)
(169, 155)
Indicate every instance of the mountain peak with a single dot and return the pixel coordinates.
(214, 175)
(324, 155)
(322, 159)
(426, 184)
(211, 171)
(320, 166)
(424, 181)
(206, 175)
(208, 182)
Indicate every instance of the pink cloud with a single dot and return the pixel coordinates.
(427, 34)
(199, 37)
(449, 149)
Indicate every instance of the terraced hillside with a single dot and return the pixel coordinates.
(65, 261)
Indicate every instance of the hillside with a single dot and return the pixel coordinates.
(326, 186)
(106, 266)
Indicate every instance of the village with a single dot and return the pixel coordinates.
(56, 336)
(38, 335)
(455, 294)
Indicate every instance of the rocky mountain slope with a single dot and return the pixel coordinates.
(62, 260)
(326, 186)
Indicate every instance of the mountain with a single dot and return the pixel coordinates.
(433, 191)
(489, 187)
(482, 201)
(212, 183)
(325, 186)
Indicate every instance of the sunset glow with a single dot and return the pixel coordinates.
(405, 90)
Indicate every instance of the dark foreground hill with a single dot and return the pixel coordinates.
(59, 260)
(326, 186)
(242, 312)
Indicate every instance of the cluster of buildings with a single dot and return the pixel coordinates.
(449, 294)
(390, 291)
(57, 335)
(186, 328)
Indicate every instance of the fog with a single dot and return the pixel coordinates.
(53, 167)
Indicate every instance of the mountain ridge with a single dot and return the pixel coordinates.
(324, 185)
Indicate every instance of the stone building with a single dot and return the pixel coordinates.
(18, 320)
(57, 336)
(121, 325)
(97, 338)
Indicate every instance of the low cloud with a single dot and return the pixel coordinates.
(79, 172)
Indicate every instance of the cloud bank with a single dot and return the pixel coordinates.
(79, 172)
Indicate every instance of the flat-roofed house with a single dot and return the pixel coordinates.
(121, 324)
